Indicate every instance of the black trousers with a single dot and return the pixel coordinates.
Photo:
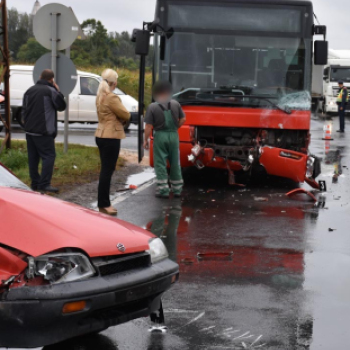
(41, 147)
(109, 154)
(342, 118)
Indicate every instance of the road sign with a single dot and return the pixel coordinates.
(66, 75)
(67, 26)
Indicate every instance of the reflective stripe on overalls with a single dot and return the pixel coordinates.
(166, 147)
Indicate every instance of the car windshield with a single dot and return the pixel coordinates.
(117, 91)
(9, 180)
(340, 74)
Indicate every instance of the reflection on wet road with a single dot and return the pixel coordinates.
(255, 274)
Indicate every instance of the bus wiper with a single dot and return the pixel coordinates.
(286, 110)
(258, 97)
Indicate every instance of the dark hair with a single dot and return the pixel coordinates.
(47, 74)
(340, 82)
(162, 87)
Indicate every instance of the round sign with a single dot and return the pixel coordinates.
(66, 76)
(67, 26)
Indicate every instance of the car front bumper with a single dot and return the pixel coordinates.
(32, 316)
(134, 118)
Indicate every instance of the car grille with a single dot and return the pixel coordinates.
(117, 264)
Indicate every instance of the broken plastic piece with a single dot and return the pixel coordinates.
(261, 199)
(215, 256)
(301, 191)
(133, 187)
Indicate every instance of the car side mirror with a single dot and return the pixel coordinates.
(321, 53)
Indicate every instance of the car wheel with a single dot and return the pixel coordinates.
(127, 125)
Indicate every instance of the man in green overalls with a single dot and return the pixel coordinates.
(165, 117)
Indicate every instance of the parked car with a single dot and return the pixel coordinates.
(82, 100)
(67, 271)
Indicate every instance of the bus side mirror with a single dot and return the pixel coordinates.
(321, 53)
(142, 40)
(162, 48)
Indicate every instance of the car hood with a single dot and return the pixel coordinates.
(128, 101)
(36, 224)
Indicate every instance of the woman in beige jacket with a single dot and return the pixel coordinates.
(110, 131)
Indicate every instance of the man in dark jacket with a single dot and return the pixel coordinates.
(39, 113)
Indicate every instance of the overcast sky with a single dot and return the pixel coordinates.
(120, 15)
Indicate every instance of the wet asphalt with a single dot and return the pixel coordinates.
(82, 134)
(271, 274)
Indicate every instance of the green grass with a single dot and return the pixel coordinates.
(80, 165)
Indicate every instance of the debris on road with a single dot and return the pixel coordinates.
(332, 229)
(261, 199)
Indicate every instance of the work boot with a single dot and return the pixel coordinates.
(50, 189)
(341, 131)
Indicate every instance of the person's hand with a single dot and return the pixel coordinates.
(56, 86)
(146, 145)
(341, 108)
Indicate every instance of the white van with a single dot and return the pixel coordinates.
(82, 107)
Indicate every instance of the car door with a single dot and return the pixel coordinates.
(87, 99)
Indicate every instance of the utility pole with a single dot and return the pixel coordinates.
(5, 75)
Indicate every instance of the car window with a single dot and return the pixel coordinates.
(9, 180)
(118, 92)
(89, 86)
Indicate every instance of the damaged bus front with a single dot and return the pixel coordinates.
(242, 72)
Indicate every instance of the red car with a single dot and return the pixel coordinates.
(66, 271)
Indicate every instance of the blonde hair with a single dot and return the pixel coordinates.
(109, 77)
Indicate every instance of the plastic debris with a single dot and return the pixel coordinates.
(158, 329)
(133, 187)
(261, 199)
(332, 229)
(187, 261)
(75, 167)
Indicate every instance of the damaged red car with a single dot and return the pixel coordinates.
(67, 271)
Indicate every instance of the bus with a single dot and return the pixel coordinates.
(242, 71)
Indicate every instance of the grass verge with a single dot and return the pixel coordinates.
(79, 166)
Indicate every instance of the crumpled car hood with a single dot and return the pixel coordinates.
(36, 224)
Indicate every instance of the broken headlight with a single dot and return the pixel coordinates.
(60, 268)
(157, 250)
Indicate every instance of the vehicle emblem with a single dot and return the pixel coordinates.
(121, 247)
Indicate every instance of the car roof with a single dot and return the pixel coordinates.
(30, 69)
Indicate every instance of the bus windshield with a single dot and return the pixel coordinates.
(237, 61)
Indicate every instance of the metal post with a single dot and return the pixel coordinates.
(54, 40)
(141, 107)
(6, 73)
(66, 115)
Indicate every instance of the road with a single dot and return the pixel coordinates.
(254, 275)
(83, 134)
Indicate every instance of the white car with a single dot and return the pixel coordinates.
(82, 100)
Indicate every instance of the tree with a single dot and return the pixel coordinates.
(20, 29)
(31, 51)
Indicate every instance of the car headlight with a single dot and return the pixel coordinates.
(60, 268)
(135, 108)
(157, 250)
